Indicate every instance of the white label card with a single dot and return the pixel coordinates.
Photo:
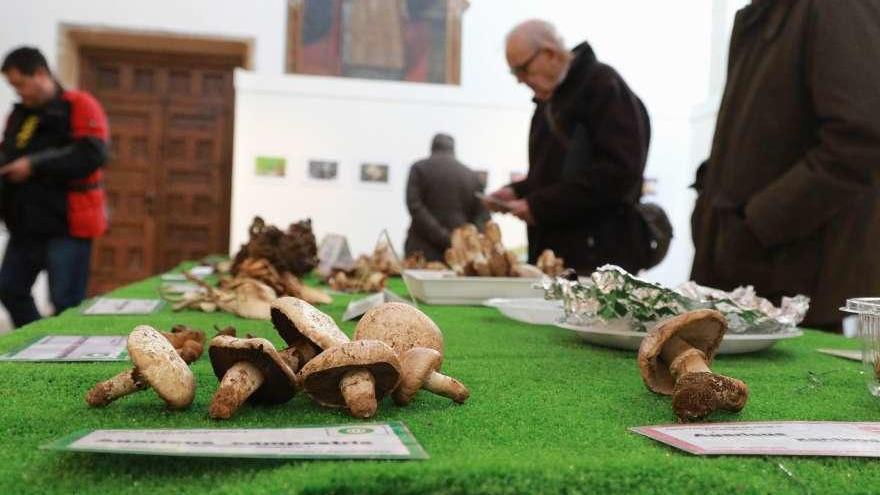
(55, 348)
(111, 306)
(390, 440)
(809, 438)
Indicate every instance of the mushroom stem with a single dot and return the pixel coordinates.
(447, 386)
(124, 383)
(239, 382)
(359, 391)
(698, 391)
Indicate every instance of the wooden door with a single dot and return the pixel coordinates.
(169, 176)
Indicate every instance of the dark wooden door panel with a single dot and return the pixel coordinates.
(168, 180)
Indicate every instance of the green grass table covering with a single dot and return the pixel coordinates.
(547, 414)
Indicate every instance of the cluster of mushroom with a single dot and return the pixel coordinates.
(674, 359)
(283, 283)
(417, 261)
(481, 255)
(549, 264)
(242, 296)
(395, 350)
(294, 250)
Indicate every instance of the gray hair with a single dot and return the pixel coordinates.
(540, 34)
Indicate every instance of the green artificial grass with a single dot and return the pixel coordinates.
(547, 414)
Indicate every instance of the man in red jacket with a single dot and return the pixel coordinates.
(52, 200)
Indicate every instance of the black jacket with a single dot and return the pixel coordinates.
(440, 196)
(587, 150)
(66, 141)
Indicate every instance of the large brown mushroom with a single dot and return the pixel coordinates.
(249, 370)
(353, 375)
(674, 360)
(157, 364)
(306, 330)
(406, 329)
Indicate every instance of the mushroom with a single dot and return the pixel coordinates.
(189, 342)
(157, 365)
(353, 375)
(306, 330)
(674, 360)
(405, 328)
(249, 370)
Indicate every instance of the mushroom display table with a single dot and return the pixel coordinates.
(546, 414)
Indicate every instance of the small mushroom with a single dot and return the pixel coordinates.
(157, 365)
(249, 370)
(674, 359)
(306, 330)
(405, 328)
(419, 370)
(353, 375)
(189, 342)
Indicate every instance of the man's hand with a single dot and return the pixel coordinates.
(17, 171)
(520, 208)
(499, 200)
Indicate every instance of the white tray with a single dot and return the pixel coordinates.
(606, 336)
(444, 287)
(534, 310)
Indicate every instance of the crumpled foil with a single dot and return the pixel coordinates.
(612, 296)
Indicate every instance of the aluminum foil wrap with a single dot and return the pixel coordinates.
(613, 297)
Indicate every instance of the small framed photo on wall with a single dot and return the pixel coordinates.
(323, 170)
(374, 173)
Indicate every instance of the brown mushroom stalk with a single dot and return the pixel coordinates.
(359, 391)
(242, 380)
(698, 391)
(674, 359)
(125, 383)
(419, 371)
(249, 370)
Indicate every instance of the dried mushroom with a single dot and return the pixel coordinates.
(294, 250)
(283, 283)
(482, 255)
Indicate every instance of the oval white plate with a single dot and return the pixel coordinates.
(533, 310)
(629, 340)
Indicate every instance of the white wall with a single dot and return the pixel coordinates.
(663, 49)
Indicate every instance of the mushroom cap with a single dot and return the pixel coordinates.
(156, 360)
(703, 329)
(416, 366)
(296, 320)
(320, 377)
(279, 381)
(401, 326)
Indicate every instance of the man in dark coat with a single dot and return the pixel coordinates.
(441, 194)
(790, 196)
(588, 145)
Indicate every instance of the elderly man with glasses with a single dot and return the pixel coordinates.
(588, 145)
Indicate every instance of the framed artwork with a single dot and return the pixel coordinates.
(323, 170)
(270, 166)
(403, 40)
(374, 173)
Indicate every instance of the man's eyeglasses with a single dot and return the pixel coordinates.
(522, 69)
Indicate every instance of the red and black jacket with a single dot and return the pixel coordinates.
(66, 141)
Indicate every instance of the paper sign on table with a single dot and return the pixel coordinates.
(333, 252)
(809, 438)
(356, 309)
(110, 306)
(60, 348)
(843, 353)
(391, 440)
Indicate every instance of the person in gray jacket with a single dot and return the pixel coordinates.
(441, 194)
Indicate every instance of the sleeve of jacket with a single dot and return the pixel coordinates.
(423, 221)
(612, 165)
(479, 215)
(845, 162)
(87, 152)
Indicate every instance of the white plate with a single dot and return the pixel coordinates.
(537, 311)
(445, 287)
(608, 336)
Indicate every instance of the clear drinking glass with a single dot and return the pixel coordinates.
(868, 311)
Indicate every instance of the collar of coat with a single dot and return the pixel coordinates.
(584, 58)
(770, 15)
